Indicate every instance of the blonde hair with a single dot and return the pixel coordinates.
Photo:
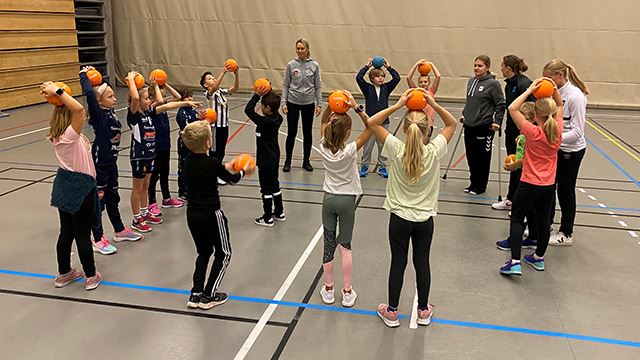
(558, 66)
(195, 136)
(60, 121)
(336, 132)
(415, 127)
(144, 89)
(304, 42)
(546, 109)
(528, 110)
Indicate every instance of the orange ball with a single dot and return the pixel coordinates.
(94, 76)
(138, 80)
(339, 102)
(55, 99)
(510, 159)
(260, 83)
(240, 161)
(160, 76)
(424, 69)
(231, 65)
(417, 101)
(545, 90)
(210, 115)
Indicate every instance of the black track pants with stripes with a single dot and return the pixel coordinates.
(477, 142)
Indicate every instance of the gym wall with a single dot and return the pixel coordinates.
(190, 36)
(37, 43)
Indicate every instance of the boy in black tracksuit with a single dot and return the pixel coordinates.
(207, 223)
(267, 154)
(186, 115)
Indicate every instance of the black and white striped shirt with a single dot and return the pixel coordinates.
(218, 102)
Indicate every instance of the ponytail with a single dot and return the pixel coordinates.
(550, 129)
(575, 80)
(415, 128)
(336, 132)
(559, 66)
(546, 108)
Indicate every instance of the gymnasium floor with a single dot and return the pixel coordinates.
(584, 306)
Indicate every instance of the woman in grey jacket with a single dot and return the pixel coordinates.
(301, 94)
(482, 116)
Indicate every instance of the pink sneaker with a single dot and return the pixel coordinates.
(127, 235)
(140, 225)
(172, 203)
(104, 247)
(155, 220)
(68, 278)
(424, 316)
(93, 282)
(155, 210)
(390, 318)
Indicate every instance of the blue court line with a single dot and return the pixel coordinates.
(465, 324)
(613, 162)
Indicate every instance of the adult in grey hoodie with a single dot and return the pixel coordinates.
(301, 94)
(482, 116)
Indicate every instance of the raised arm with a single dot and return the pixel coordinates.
(173, 92)
(436, 78)
(395, 77)
(450, 122)
(362, 84)
(133, 92)
(236, 83)
(364, 136)
(87, 91)
(176, 105)
(77, 110)
(375, 122)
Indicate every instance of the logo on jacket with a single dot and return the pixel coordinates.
(295, 72)
(481, 87)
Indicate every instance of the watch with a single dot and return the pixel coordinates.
(359, 109)
(59, 91)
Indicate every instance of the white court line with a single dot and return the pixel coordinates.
(602, 205)
(622, 223)
(246, 347)
(582, 190)
(633, 234)
(413, 324)
(592, 197)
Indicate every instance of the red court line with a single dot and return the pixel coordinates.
(237, 131)
(459, 159)
(23, 125)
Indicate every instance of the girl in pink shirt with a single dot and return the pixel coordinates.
(536, 186)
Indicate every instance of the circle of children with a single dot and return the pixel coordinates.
(87, 180)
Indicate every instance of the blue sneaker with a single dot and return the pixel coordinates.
(504, 245)
(364, 169)
(529, 243)
(382, 171)
(510, 268)
(537, 264)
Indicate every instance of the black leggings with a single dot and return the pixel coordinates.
(420, 233)
(77, 226)
(220, 137)
(514, 176)
(530, 196)
(293, 114)
(566, 178)
(161, 171)
(477, 142)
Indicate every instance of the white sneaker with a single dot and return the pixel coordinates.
(525, 234)
(221, 182)
(502, 205)
(560, 239)
(327, 295)
(348, 299)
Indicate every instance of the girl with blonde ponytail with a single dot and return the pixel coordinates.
(573, 91)
(536, 187)
(341, 188)
(411, 198)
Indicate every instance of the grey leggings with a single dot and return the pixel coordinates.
(337, 210)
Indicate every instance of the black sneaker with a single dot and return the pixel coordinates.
(286, 167)
(260, 221)
(194, 299)
(307, 166)
(207, 302)
(280, 217)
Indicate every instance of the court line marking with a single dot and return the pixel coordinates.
(614, 141)
(612, 162)
(464, 324)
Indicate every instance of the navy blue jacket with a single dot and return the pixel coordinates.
(373, 104)
(186, 115)
(105, 124)
(163, 136)
(513, 88)
(71, 188)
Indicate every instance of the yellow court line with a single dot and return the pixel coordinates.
(614, 141)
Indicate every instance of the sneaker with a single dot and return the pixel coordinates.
(281, 217)
(155, 210)
(103, 247)
(537, 264)
(511, 268)
(472, 192)
(349, 298)
(260, 221)
(183, 197)
(140, 225)
(382, 171)
(221, 182)
(68, 278)
(467, 189)
(525, 233)
(560, 239)
(504, 245)
(307, 166)
(155, 220)
(327, 295)
(286, 167)
(127, 235)
(502, 205)
(172, 203)
(207, 302)
(364, 170)
(424, 316)
(194, 300)
(529, 243)
(389, 317)
(93, 282)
